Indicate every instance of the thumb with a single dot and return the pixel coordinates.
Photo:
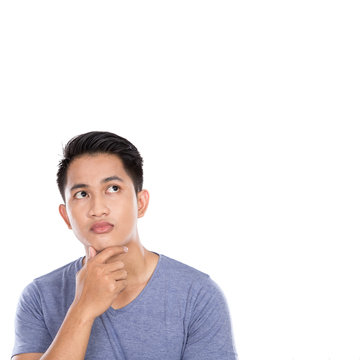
(92, 253)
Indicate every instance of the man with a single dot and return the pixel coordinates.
(120, 301)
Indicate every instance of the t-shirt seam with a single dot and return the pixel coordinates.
(41, 307)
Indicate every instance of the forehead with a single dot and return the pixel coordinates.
(89, 169)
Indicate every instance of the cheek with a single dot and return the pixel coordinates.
(132, 210)
(125, 206)
(75, 217)
(125, 215)
(78, 227)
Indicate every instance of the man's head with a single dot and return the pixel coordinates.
(100, 179)
(97, 142)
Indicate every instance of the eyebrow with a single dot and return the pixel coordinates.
(112, 178)
(103, 181)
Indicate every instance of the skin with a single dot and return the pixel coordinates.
(116, 267)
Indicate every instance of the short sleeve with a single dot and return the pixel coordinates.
(31, 333)
(209, 332)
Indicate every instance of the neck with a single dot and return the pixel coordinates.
(137, 262)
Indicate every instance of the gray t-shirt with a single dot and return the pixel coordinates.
(180, 314)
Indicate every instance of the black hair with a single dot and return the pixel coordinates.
(101, 142)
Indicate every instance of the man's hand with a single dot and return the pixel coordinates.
(98, 283)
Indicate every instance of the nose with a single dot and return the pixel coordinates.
(98, 207)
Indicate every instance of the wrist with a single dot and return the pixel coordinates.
(80, 314)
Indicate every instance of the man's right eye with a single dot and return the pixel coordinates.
(80, 194)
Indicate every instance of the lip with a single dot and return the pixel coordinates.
(101, 227)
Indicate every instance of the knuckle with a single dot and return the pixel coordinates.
(98, 271)
(112, 287)
(109, 251)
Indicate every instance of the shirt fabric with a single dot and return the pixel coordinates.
(181, 314)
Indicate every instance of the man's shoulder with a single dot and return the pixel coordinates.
(175, 267)
(184, 276)
(59, 276)
(189, 285)
(48, 286)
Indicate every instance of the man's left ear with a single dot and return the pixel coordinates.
(63, 213)
(142, 202)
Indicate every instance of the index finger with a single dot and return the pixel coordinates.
(107, 253)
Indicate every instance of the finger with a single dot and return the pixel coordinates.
(109, 252)
(120, 285)
(119, 275)
(114, 266)
(91, 253)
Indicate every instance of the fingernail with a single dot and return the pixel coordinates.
(125, 249)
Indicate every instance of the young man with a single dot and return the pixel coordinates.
(120, 301)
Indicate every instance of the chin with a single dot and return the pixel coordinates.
(102, 245)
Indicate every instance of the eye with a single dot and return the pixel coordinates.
(113, 188)
(80, 194)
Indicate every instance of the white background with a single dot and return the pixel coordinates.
(247, 116)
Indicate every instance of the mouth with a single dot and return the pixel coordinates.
(102, 227)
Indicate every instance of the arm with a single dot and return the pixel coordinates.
(70, 342)
(97, 285)
(29, 356)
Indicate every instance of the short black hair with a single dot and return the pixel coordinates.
(102, 142)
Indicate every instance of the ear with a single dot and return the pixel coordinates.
(142, 202)
(64, 215)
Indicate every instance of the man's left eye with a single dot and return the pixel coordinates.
(113, 188)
